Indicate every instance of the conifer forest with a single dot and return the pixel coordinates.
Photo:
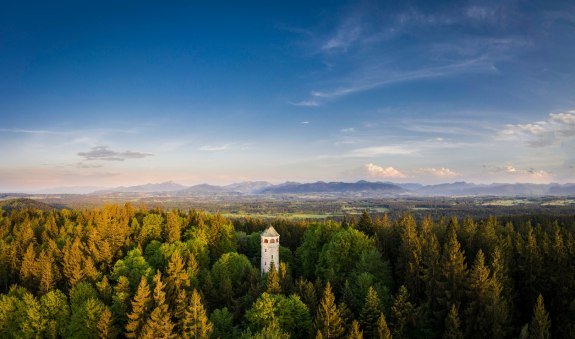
(121, 271)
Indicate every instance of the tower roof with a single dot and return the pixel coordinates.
(270, 232)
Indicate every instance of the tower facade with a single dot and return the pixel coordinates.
(270, 241)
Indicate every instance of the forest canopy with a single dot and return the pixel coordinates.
(121, 271)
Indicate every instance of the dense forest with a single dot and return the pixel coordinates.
(121, 271)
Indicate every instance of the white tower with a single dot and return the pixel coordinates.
(270, 239)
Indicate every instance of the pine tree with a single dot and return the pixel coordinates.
(174, 225)
(159, 324)
(452, 325)
(286, 281)
(47, 272)
(121, 300)
(306, 291)
(486, 313)
(105, 324)
(273, 280)
(328, 320)
(196, 323)
(365, 224)
(72, 265)
(540, 323)
(370, 313)
(355, 332)
(177, 278)
(140, 307)
(383, 331)
(452, 274)
(28, 267)
(401, 313)
(409, 265)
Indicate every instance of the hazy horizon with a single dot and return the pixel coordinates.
(110, 94)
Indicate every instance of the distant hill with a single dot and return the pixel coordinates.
(168, 186)
(334, 187)
(361, 189)
(519, 189)
(248, 187)
(203, 189)
(24, 203)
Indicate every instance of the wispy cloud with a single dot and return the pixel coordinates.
(527, 173)
(103, 153)
(347, 130)
(28, 131)
(215, 148)
(385, 77)
(306, 103)
(556, 128)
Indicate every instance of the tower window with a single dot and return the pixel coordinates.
(272, 241)
(266, 241)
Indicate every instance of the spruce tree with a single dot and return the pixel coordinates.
(383, 331)
(159, 324)
(273, 280)
(540, 323)
(28, 268)
(370, 313)
(486, 313)
(452, 325)
(409, 265)
(140, 307)
(177, 278)
(196, 324)
(401, 313)
(355, 332)
(452, 274)
(328, 320)
(365, 224)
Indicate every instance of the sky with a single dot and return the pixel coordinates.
(125, 93)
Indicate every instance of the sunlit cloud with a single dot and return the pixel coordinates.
(558, 127)
(438, 172)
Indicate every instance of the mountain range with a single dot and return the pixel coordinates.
(359, 188)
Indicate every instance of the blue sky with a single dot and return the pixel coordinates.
(112, 94)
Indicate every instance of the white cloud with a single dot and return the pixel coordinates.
(373, 172)
(521, 174)
(374, 151)
(214, 148)
(558, 127)
(304, 122)
(439, 172)
(347, 130)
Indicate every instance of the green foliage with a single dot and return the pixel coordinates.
(288, 313)
(328, 319)
(383, 331)
(81, 273)
(540, 323)
(370, 313)
(133, 266)
(402, 313)
(452, 325)
(223, 322)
